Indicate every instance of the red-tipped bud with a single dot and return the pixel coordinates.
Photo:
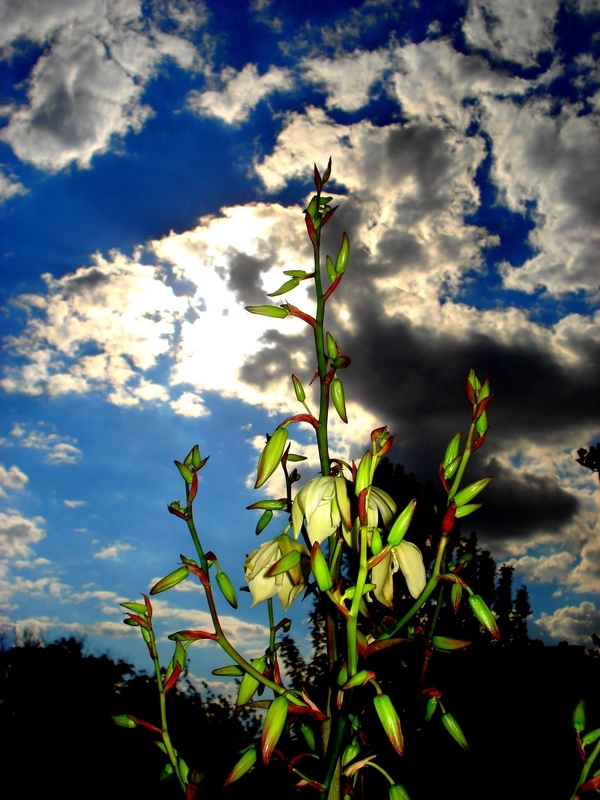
(270, 458)
(227, 590)
(273, 727)
(390, 721)
(170, 580)
(454, 730)
(246, 762)
(484, 615)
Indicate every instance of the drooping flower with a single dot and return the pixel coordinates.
(407, 558)
(324, 504)
(287, 585)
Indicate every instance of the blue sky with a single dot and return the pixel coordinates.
(154, 162)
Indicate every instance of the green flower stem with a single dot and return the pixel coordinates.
(351, 625)
(586, 769)
(164, 728)
(463, 463)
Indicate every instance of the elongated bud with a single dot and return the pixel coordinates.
(330, 267)
(390, 721)
(363, 473)
(263, 521)
(137, 608)
(273, 727)
(285, 287)
(185, 472)
(430, 708)
(350, 753)
(398, 792)
(473, 386)
(279, 312)
(246, 762)
(579, 716)
(285, 564)
(124, 721)
(169, 581)
(249, 684)
(484, 615)
(332, 348)
(467, 509)
(320, 569)
(452, 450)
(469, 492)
(401, 524)
(227, 590)
(376, 543)
(456, 596)
(270, 458)
(481, 424)
(230, 671)
(591, 737)
(269, 505)
(361, 678)
(341, 261)
(298, 389)
(337, 395)
(454, 730)
(448, 643)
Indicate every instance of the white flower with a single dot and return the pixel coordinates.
(407, 558)
(286, 585)
(324, 504)
(380, 505)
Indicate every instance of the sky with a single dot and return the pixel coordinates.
(155, 159)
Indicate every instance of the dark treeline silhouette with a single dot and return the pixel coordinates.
(514, 700)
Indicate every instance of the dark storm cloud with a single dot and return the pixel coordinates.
(89, 281)
(519, 504)
(277, 357)
(244, 277)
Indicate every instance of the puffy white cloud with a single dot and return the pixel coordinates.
(113, 551)
(75, 503)
(85, 88)
(240, 93)
(552, 568)
(11, 478)
(59, 450)
(18, 533)
(510, 29)
(574, 624)
(349, 77)
(9, 186)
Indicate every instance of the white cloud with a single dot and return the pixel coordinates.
(348, 78)
(544, 569)
(113, 551)
(510, 29)
(574, 624)
(11, 478)
(18, 534)
(9, 186)
(86, 87)
(59, 450)
(241, 92)
(75, 503)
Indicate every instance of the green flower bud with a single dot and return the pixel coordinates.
(361, 678)
(454, 730)
(401, 524)
(295, 273)
(363, 473)
(341, 261)
(376, 543)
(579, 716)
(448, 643)
(169, 581)
(390, 721)
(137, 608)
(591, 737)
(166, 772)
(285, 564)
(337, 395)
(227, 589)
(230, 671)
(398, 792)
(263, 521)
(481, 424)
(467, 509)
(350, 753)
(298, 389)
(332, 348)
(469, 492)
(124, 721)
(246, 762)
(456, 596)
(270, 458)
(452, 450)
(484, 615)
(308, 735)
(430, 708)
(185, 472)
(278, 312)
(273, 727)
(285, 287)
(270, 505)
(320, 568)
(249, 684)
(330, 267)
